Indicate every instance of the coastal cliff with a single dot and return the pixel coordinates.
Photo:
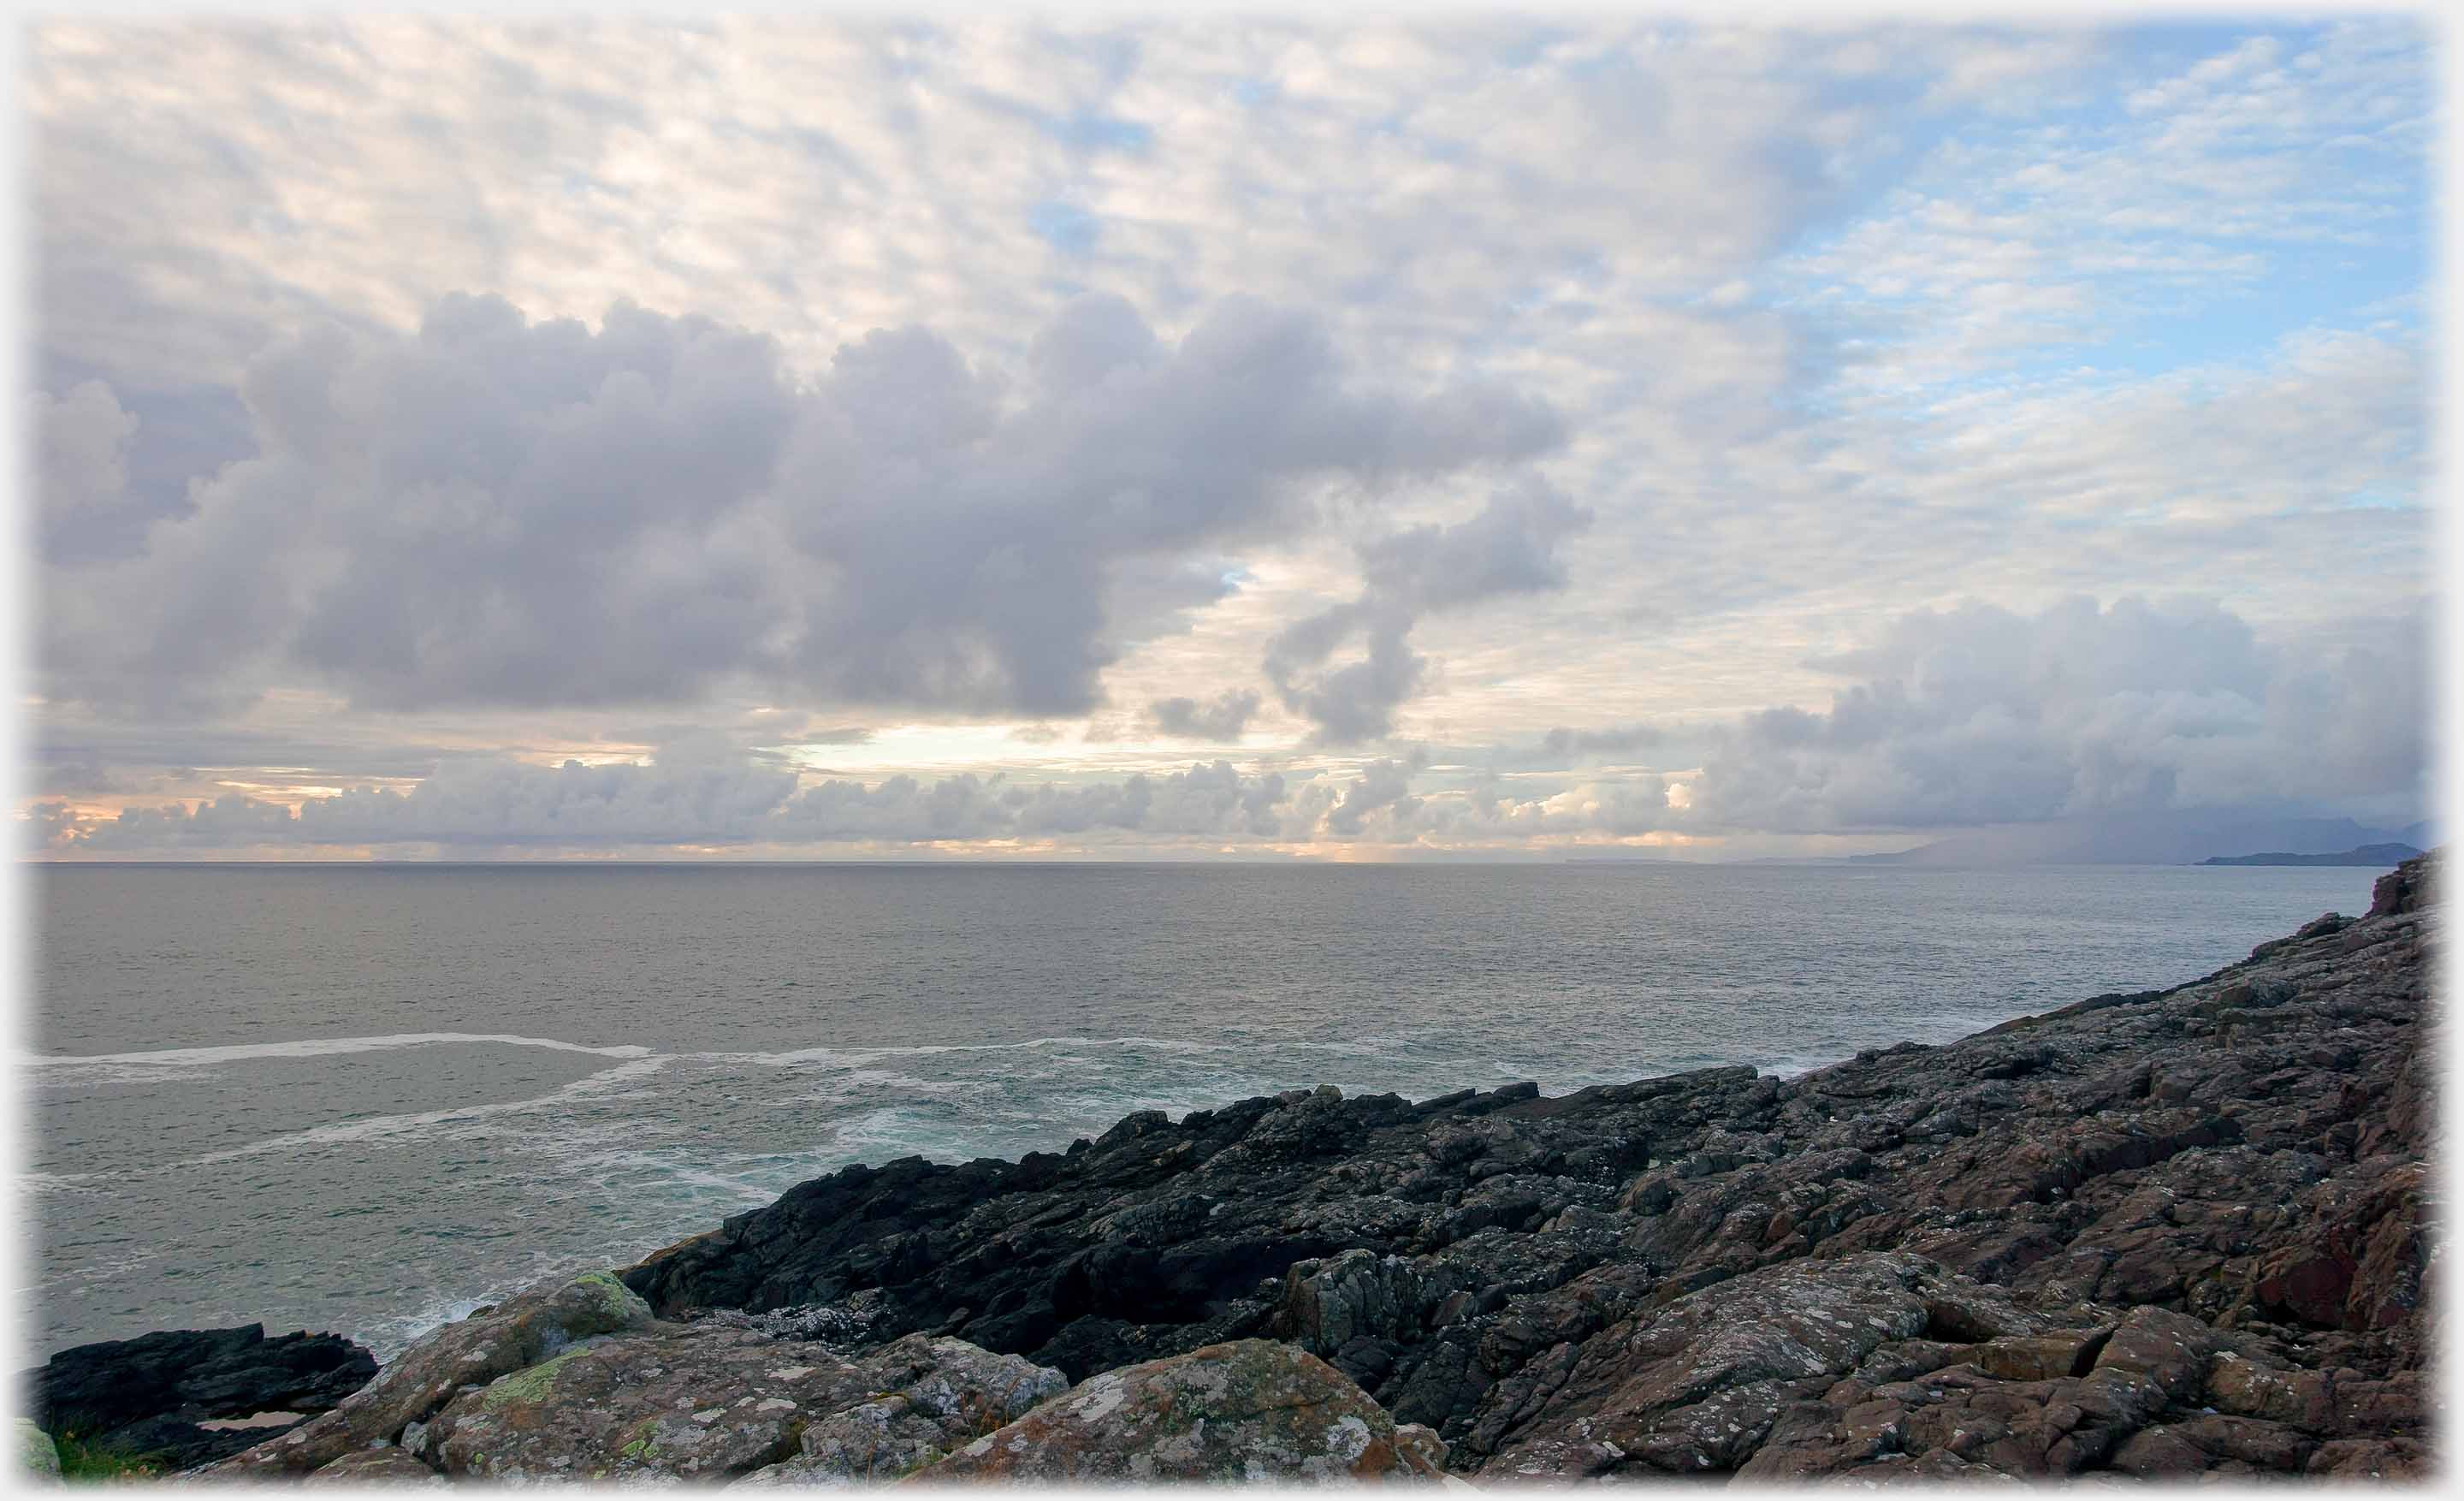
(2160, 1233)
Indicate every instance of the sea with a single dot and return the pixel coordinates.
(368, 1098)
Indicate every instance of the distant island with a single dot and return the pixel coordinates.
(2186, 836)
(2364, 854)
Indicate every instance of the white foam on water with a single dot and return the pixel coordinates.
(859, 1057)
(311, 1047)
(31, 1182)
(422, 1125)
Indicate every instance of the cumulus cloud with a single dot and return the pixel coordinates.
(1221, 718)
(1509, 547)
(706, 793)
(1974, 716)
(698, 791)
(1383, 784)
(1981, 716)
(83, 509)
(496, 512)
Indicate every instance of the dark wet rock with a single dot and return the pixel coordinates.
(149, 1395)
(1253, 1410)
(2198, 1215)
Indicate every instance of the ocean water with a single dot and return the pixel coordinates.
(368, 1098)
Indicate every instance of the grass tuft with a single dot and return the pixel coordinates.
(84, 1461)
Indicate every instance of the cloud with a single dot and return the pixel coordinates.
(83, 508)
(854, 175)
(1617, 739)
(1507, 548)
(1968, 717)
(1221, 719)
(1383, 784)
(1820, 323)
(1980, 716)
(502, 513)
(696, 792)
(972, 550)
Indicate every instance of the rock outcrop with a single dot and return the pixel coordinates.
(466, 1356)
(150, 1395)
(2154, 1233)
(1250, 1410)
(579, 1382)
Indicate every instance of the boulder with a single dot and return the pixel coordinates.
(703, 1402)
(1251, 1410)
(577, 1383)
(472, 1352)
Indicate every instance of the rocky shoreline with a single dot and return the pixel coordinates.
(2154, 1234)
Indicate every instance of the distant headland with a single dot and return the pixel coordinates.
(2381, 855)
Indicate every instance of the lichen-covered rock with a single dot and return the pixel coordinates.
(472, 1352)
(611, 1394)
(964, 1394)
(1250, 1410)
(697, 1403)
(37, 1455)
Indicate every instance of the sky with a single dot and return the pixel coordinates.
(833, 438)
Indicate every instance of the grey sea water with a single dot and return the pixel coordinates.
(367, 1099)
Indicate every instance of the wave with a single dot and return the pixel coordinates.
(34, 1183)
(858, 1058)
(311, 1047)
(419, 1124)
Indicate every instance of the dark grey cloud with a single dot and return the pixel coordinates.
(1617, 739)
(139, 753)
(974, 548)
(1221, 718)
(1507, 548)
(500, 513)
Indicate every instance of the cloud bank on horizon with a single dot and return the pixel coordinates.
(830, 439)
